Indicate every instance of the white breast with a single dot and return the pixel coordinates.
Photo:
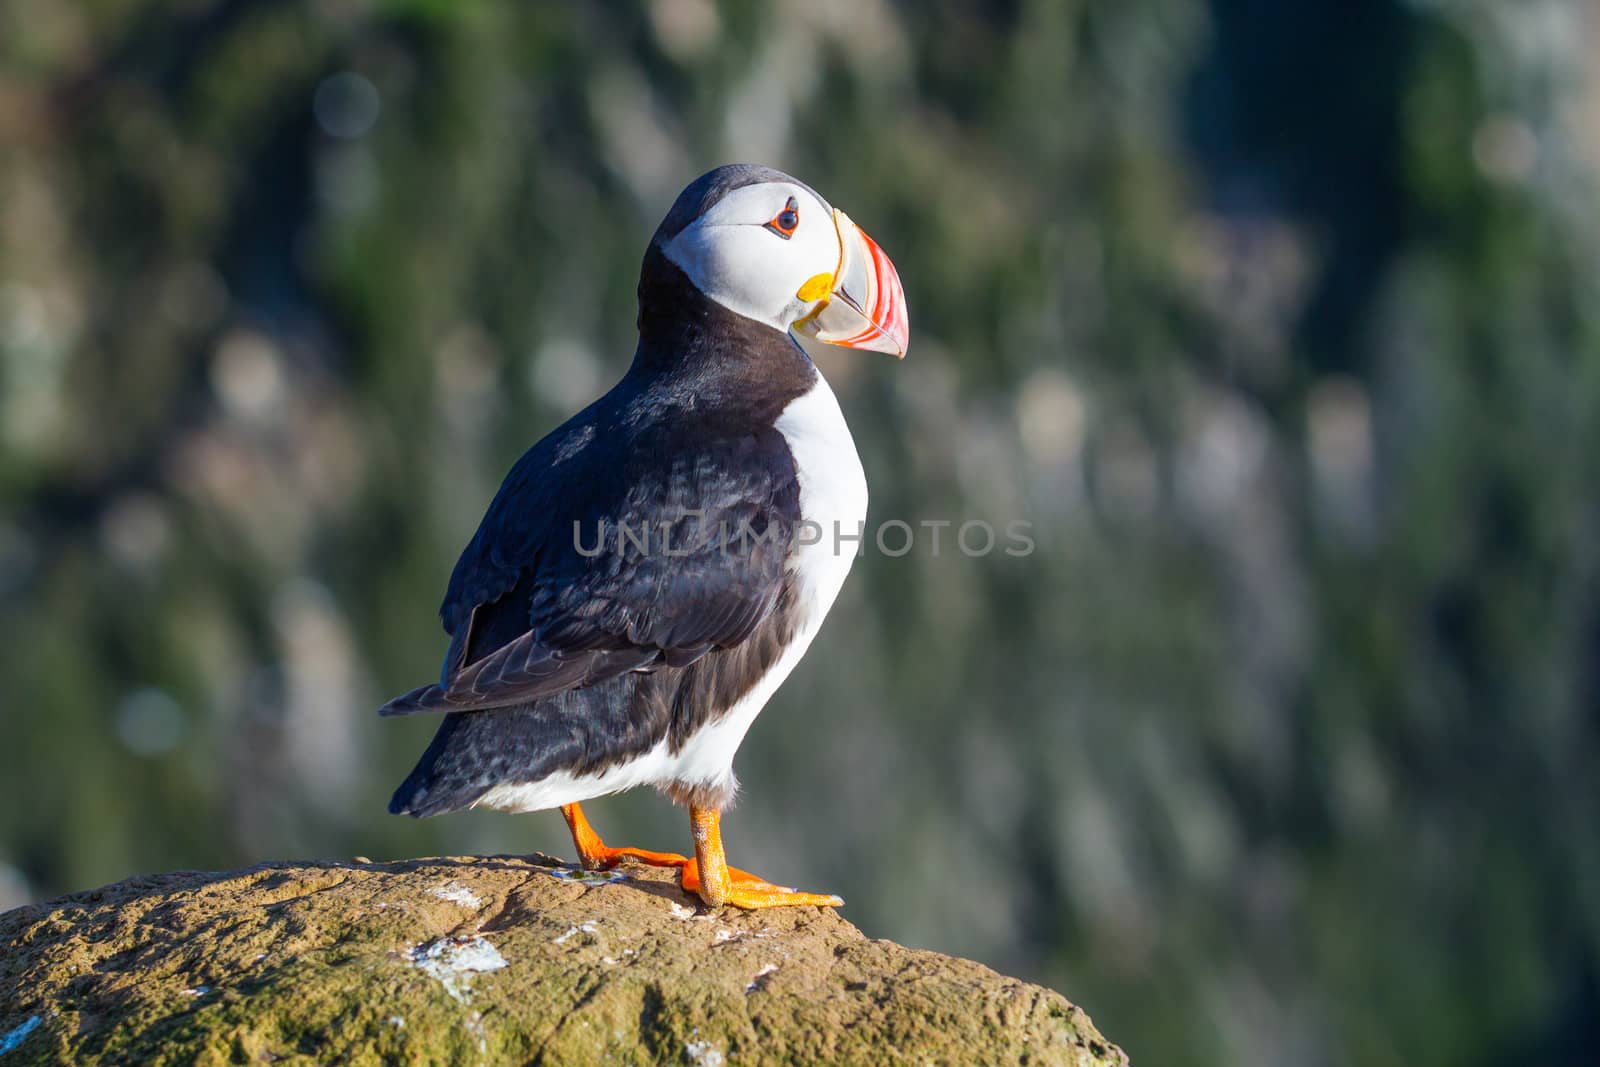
(833, 504)
(833, 494)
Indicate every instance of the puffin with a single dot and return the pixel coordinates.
(651, 571)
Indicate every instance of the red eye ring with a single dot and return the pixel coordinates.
(785, 222)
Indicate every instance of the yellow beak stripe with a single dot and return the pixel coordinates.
(816, 287)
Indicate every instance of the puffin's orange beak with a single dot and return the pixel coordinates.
(863, 305)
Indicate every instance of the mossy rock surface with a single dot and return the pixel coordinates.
(491, 960)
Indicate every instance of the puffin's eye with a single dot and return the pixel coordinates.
(785, 222)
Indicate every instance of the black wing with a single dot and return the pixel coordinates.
(608, 551)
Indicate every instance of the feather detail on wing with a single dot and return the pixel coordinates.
(533, 611)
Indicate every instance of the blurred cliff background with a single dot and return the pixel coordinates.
(1280, 323)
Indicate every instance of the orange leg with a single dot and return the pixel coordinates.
(717, 883)
(595, 853)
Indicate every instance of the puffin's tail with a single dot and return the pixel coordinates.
(425, 792)
(474, 751)
(577, 732)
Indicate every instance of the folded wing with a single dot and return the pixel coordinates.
(604, 553)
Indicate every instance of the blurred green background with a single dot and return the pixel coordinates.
(1280, 323)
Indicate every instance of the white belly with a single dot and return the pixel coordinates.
(833, 501)
(833, 505)
(833, 494)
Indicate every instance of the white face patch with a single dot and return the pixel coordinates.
(735, 259)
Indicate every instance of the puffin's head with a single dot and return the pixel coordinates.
(768, 247)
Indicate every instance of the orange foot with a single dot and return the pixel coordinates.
(596, 855)
(710, 877)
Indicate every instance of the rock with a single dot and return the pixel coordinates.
(492, 960)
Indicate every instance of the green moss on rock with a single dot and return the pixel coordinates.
(495, 960)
